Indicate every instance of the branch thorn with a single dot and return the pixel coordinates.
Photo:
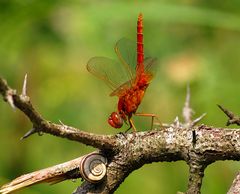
(232, 118)
(196, 121)
(24, 89)
(187, 110)
(30, 132)
(9, 98)
(176, 122)
(61, 123)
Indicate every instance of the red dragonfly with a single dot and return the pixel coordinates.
(128, 80)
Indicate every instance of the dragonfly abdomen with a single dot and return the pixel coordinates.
(140, 50)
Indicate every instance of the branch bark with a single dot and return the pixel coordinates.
(198, 146)
(235, 188)
(23, 103)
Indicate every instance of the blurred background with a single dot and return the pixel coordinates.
(196, 42)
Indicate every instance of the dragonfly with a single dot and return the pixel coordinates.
(128, 79)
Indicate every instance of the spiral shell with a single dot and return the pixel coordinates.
(93, 167)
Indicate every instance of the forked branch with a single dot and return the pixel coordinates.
(199, 146)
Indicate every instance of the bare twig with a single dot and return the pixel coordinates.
(54, 174)
(42, 125)
(91, 167)
(232, 118)
(127, 152)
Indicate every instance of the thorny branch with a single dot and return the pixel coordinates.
(199, 146)
(233, 119)
(196, 169)
(22, 102)
(188, 112)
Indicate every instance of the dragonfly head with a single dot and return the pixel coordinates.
(115, 120)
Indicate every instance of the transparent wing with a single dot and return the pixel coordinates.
(122, 88)
(150, 65)
(108, 70)
(126, 51)
(120, 77)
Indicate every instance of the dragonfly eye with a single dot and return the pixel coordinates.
(115, 120)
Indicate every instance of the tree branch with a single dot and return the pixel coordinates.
(91, 167)
(199, 146)
(54, 174)
(235, 188)
(22, 102)
(196, 173)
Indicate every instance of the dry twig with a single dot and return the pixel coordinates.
(125, 153)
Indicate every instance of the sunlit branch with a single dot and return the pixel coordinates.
(198, 146)
(23, 103)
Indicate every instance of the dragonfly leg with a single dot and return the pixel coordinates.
(132, 125)
(128, 129)
(154, 116)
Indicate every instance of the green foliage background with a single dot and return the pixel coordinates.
(196, 42)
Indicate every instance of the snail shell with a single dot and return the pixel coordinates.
(93, 167)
